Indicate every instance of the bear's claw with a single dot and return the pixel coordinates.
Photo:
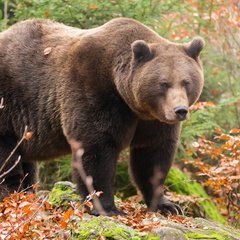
(170, 208)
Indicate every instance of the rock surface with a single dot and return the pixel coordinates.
(153, 225)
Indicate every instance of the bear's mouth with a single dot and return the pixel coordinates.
(169, 122)
(172, 121)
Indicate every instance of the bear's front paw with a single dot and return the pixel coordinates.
(170, 208)
(107, 211)
(167, 207)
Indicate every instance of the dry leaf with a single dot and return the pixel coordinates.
(47, 51)
(98, 193)
(28, 135)
(89, 204)
(68, 214)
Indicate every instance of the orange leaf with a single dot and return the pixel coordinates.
(28, 135)
(36, 185)
(47, 13)
(235, 130)
(63, 224)
(68, 214)
(89, 204)
(98, 193)
(225, 137)
(218, 130)
(190, 153)
(27, 209)
(25, 227)
(93, 6)
(48, 206)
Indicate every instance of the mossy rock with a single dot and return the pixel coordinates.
(63, 193)
(108, 228)
(200, 229)
(181, 183)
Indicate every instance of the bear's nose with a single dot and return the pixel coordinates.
(181, 112)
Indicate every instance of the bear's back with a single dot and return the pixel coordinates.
(31, 37)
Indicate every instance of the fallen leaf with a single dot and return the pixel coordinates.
(28, 135)
(68, 214)
(89, 204)
(47, 51)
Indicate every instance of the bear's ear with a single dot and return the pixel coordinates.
(141, 50)
(194, 48)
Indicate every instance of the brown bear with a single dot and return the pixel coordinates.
(110, 87)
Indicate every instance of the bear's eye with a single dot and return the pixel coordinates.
(185, 83)
(164, 85)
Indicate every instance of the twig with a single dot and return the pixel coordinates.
(14, 150)
(1, 103)
(21, 182)
(5, 14)
(28, 187)
(11, 168)
(86, 179)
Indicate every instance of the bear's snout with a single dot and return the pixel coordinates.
(181, 112)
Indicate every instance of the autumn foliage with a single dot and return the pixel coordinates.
(218, 166)
(26, 216)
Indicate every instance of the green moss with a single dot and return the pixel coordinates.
(62, 194)
(108, 228)
(220, 231)
(216, 236)
(180, 183)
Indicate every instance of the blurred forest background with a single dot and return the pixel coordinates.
(209, 147)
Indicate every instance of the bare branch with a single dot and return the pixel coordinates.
(1, 103)
(5, 13)
(14, 150)
(21, 182)
(28, 187)
(11, 168)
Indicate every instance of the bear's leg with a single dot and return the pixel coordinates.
(99, 162)
(149, 176)
(151, 156)
(11, 181)
(31, 175)
(103, 128)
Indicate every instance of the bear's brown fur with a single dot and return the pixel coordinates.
(114, 86)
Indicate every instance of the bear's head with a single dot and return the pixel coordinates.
(165, 79)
